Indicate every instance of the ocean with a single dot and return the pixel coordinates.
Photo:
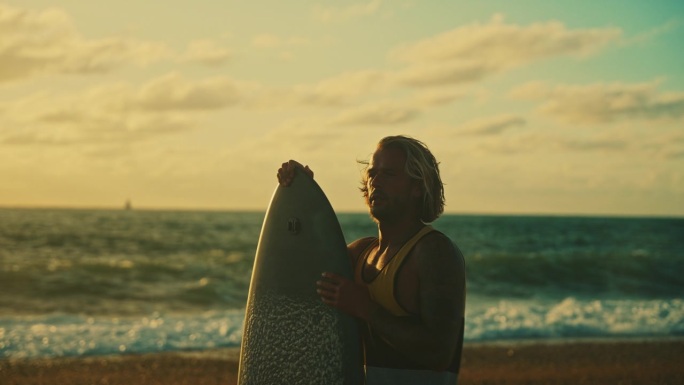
(101, 282)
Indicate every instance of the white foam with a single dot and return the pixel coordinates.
(573, 318)
(61, 335)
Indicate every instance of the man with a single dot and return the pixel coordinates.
(409, 286)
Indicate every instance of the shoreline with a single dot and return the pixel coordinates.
(583, 361)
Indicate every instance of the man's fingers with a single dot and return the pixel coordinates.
(328, 285)
(285, 173)
(287, 170)
(294, 163)
(308, 171)
(332, 277)
(328, 289)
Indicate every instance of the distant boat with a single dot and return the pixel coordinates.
(128, 205)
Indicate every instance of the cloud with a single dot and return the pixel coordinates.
(354, 11)
(42, 42)
(664, 144)
(434, 98)
(475, 51)
(377, 114)
(555, 143)
(595, 144)
(167, 94)
(206, 52)
(98, 129)
(299, 136)
(343, 90)
(675, 154)
(525, 143)
(117, 113)
(339, 90)
(492, 126)
(174, 93)
(428, 75)
(604, 103)
(465, 54)
(654, 33)
(268, 40)
(348, 85)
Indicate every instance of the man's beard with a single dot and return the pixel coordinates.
(387, 211)
(379, 213)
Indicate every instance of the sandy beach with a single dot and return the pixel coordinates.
(581, 362)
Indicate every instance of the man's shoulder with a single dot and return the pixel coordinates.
(440, 262)
(358, 246)
(436, 242)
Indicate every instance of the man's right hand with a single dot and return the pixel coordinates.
(286, 172)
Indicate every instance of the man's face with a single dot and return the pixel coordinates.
(391, 192)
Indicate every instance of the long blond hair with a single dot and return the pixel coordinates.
(420, 165)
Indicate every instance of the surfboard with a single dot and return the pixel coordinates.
(290, 336)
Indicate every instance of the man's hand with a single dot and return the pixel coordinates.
(286, 172)
(345, 295)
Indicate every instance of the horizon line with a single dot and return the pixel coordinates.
(254, 210)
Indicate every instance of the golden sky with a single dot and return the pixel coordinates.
(531, 107)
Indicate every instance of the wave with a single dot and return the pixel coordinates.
(573, 318)
(585, 275)
(216, 279)
(127, 285)
(77, 282)
(486, 320)
(79, 335)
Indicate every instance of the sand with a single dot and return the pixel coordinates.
(580, 362)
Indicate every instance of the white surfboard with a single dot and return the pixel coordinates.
(290, 336)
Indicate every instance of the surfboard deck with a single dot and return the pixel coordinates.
(290, 336)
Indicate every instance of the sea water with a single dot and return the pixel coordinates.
(96, 282)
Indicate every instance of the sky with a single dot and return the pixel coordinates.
(531, 107)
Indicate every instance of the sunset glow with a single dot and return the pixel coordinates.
(531, 107)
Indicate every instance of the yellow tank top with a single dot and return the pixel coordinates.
(381, 288)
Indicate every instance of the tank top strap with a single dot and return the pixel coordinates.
(361, 260)
(397, 261)
(408, 246)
